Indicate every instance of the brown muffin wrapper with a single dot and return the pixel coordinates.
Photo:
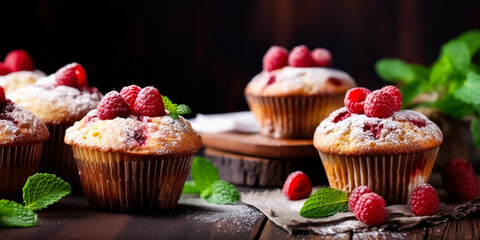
(57, 157)
(119, 182)
(391, 176)
(292, 117)
(16, 165)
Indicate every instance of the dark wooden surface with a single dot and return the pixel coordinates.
(71, 218)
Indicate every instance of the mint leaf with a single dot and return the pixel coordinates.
(457, 53)
(441, 71)
(189, 188)
(204, 173)
(475, 129)
(221, 192)
(183, 109)
(422, 73)
(13, 214)
(174, 109)
(325, 202)
(472, 40)
(410, 91)
(394, 70)
(43, 189)
(470, 91)
(453, 107)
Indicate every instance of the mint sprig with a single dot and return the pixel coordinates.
(325, 202)
(40, 191)
(174, 110)
(207, 183)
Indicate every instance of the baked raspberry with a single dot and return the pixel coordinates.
(424, 200)
(300, 57)
(4, 70)
(462, 186)
(112, 105)
(130, 94)
(370, 209)
(379, 104)
(453, 166)
(355, 99)
(396, 95)
(342, 116)
(297, 186)
(72, 75)
(18, 60)
(335, 81)
(149, 103)
(275, 58)
(375, 129)
(321, 57)
(2, 95)
(355, 195)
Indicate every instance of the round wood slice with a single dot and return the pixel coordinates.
(259, 145)
(261, 171)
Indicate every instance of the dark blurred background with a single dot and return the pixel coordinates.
(203, 53)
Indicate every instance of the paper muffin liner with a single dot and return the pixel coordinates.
(292, 117)
(391, 176)
(123, 182)
(16, 165)
(57, 157)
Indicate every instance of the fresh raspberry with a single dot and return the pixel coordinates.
(453, 166)
(275, 58)
(396, 95)
(2, 95)
(300, 57)
(4, 70)
(424, 200)
(355, 195)
(130, 94)
(297, 186)
(18, 60)
(321, 57)
(463, 186)
(112, 105)
(370, 209)
(72, 75)
(355, 99)
(149, 103)
(379, 104)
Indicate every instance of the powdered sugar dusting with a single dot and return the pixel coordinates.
(15, 80)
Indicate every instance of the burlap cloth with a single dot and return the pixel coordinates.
(285, 213)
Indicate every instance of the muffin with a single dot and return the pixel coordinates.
(392, 151)
(131, 154)
(21, 138)
(59, 100)
(18, 71)
(289, 101)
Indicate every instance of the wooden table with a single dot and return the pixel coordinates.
(71, 218)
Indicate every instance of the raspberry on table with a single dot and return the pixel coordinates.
(355, 195)
(112, 105)
(355, 99)
(300, 57)
(72, 75)
(370, 209)
(463, 186)
(149, 103)
(424, 200)
(379, 104)
(453, 166)
(275, 58)
(18, 60)
(396, 95)
(4, 70)
(297, 186)
(130, 94)
(322, 57)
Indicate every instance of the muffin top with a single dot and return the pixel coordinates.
(58, 102)
(15, 80)
(18, 126)
(135, 122)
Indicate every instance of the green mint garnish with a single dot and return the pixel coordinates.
(325, 202)
(174, 109)
(394, 70)
(43, 189)
(207, 183)
(14, 214)
(221, 192)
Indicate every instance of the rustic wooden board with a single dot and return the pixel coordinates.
(259, 145)
(263, 172)
(272, 231)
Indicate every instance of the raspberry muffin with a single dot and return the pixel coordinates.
(59, 100)
(21, 139)
(295, 92)
(131, 154)
(371, 142)
(18, 70)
